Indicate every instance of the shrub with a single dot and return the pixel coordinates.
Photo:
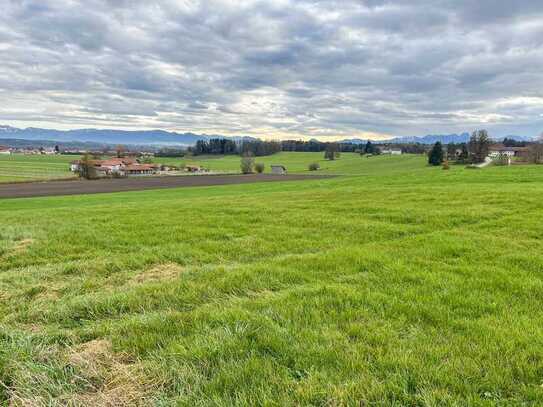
(314, 166)
(247, 164)
(446, 165)
(259, 167)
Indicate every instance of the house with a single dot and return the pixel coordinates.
(140, 169)
(5, 150)
(392, 151)
(75, 165)
(508, 151)
(498, 150)
(117, 167)
(278, 170)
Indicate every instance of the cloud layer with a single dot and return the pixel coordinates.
(282, 68)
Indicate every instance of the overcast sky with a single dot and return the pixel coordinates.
(276, 68)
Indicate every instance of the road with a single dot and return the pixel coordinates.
(77, 187)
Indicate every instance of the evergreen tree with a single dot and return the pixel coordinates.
(369, 149)
(435, 157)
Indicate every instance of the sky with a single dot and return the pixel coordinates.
(324, 69)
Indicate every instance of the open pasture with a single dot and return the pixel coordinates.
(395, 284)
(19, 167)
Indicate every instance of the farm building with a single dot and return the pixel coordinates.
(140, 169)
(118, 166)
(391, 151)
(278, 170)
(5, 150)
(500, 150)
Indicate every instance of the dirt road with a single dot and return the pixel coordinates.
(53, 188)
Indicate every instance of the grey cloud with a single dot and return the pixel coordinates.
(305, 67)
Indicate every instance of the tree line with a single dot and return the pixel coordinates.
(221, 146)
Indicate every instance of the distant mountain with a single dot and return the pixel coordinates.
(166, 138)
(354, 141)
(145, 137)
(433, 138)
(34, 144)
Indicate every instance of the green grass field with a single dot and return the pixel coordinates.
(393, 284)
(349, 163)
(19, 167)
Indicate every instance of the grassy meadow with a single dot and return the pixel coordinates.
(348, 164)
(391, 284)
(19, 167)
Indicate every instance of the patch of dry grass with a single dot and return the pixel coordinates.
(161, 272)
(98, 377)
(113, 379)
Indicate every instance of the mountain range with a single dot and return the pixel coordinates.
(166, 138)
(105, 136)
(433, 138)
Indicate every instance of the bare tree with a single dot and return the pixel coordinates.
(247, 164)
(120, 150)
(86, 167)
(332, 151)
(479, 144)
(535, 151)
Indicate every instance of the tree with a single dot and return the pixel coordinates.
(247, 164)
(120, 150)
(332, 151)
(463, 157)
(369, 148)
(535, 152)
(479, 144)
(435, 157)
(451, 151)
(86, 167)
